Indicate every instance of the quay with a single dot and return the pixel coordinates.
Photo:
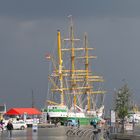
(51, 132)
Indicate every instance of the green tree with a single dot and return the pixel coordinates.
(122, 103)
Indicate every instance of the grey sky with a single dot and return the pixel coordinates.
(28, 31)
(81, 8)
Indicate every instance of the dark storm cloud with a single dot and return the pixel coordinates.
(81, 8)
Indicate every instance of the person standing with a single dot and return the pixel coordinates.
(10, 127)
(95, 124)
(1, 125)
(78, 123)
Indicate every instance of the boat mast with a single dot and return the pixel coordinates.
(71, 36)
(72, 39)
(60, 66)
(73, 84)
(87, 72)
(90, 78)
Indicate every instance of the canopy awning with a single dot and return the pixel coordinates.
(21, 111)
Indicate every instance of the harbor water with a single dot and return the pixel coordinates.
(55, 133)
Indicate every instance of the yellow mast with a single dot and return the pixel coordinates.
(87, 72)
(87, 77)
(60, 66)
(86, 57)
(72, 55)
(73, 83)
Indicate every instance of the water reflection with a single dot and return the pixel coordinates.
(31, 135)
(40, 134)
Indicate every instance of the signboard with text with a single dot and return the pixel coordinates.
(113, 117)
(128, 126)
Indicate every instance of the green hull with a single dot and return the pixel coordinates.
(83, 121)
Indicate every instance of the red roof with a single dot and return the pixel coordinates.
(21, 111)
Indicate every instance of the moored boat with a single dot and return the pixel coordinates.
(73, 89)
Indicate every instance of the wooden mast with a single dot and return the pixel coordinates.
(60, 66)
(73, 83)
(87, 72)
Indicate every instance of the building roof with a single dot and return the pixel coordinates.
(21, 111)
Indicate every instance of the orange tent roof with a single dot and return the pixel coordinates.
(21, 111)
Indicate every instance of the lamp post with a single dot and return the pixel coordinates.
(133, 122)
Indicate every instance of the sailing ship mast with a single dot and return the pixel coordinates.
(72, 71)
(89, 78)
(87, 73)
(73, 82)
(60, 66)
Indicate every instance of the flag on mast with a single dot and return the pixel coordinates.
(47, 56)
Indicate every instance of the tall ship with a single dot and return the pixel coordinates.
(74, 91)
